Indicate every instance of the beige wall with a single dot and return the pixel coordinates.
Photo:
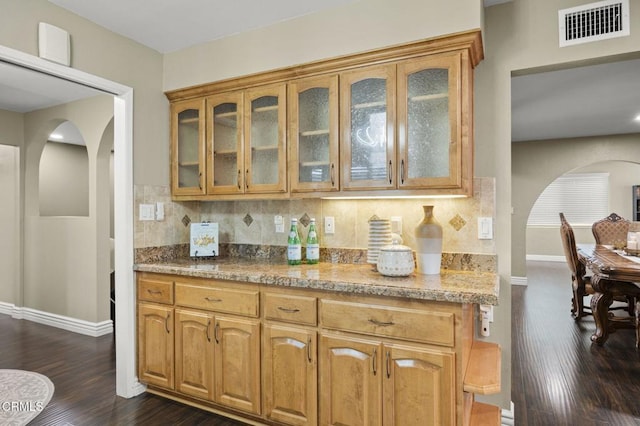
(9, 224)
(11, 178)
(63, 187)
(520, 35)
(545, 241)
(102, 53)
(66, 259)
(355, 27)
(536, 164)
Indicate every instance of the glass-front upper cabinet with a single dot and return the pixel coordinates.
(313, 132)
(265, 165)
(429, 131)
(367, 117)
(188, 147)
(225, 150)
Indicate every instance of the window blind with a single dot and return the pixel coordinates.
(582, 197)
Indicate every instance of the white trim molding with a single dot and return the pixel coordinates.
(93, 329)
(127, 384)
(518, 280)
(508, 416)
(546, 258)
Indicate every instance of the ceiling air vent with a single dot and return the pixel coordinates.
(594, 21)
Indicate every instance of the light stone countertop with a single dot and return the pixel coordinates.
(449, 286)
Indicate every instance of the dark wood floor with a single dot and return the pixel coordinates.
(82, 370)
(558, 376)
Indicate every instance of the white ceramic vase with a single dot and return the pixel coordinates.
(428, 244)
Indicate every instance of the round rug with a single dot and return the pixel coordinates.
(23, 395)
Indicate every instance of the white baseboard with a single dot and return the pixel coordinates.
(518, 280)
(93, 329)
(508, 417)
(546, 258)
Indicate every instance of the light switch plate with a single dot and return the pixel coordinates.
(485, 228)
(147, 212)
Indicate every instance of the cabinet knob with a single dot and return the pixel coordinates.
(390, 173)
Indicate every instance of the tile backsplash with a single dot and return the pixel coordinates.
(252, 222)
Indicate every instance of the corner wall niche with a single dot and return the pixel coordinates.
(64, 174)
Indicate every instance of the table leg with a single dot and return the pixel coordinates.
(600, 303)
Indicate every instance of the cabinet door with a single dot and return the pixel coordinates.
(350, 381)
(155, 340)
(313, 132)
(194, 353)
(188, 148)
(419, 386)
(237, 363)
(265, 139)
(367, 118)
(429, 122)
(225, 150)
(290, 375)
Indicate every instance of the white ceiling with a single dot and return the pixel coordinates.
(586, 101)
(169, 25)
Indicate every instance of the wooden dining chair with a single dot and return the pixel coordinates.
(580, 281)
(611, 230)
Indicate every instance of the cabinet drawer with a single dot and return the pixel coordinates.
(241, 302)
(155, 290)
(400, 323)
(296, 309)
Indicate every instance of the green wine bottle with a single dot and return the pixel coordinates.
(313, 247)
(294, 246)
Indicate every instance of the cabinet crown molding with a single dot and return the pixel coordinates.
(471, 41)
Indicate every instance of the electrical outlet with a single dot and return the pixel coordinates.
(396, 224)
(329, 225)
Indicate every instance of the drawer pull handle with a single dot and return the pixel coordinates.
(154, 292)
(212, 299)
(288, 310)
(309, 349)
(374, 361)
(215, 332)
(166, 323)
(208, 327)
(388, 364)
(381, 323)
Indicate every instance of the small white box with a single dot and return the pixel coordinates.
(54, 44)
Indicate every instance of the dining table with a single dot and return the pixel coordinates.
(615, 274)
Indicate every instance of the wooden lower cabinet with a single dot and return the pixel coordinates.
(369, 382)
(237, 363)
(155, 344)
(194, 353)
(290, 372)
(284, 356)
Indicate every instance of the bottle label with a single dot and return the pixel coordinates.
(294, 252)
(313, 251)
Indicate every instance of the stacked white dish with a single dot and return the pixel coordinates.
(379, 236)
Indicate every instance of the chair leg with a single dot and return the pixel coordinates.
(631, 301)
(577, 302)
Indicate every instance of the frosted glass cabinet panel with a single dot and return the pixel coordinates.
(265, 140)
(225, 150)
(367, 120)
(188, 147)
(313, 124)
(428, 124)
